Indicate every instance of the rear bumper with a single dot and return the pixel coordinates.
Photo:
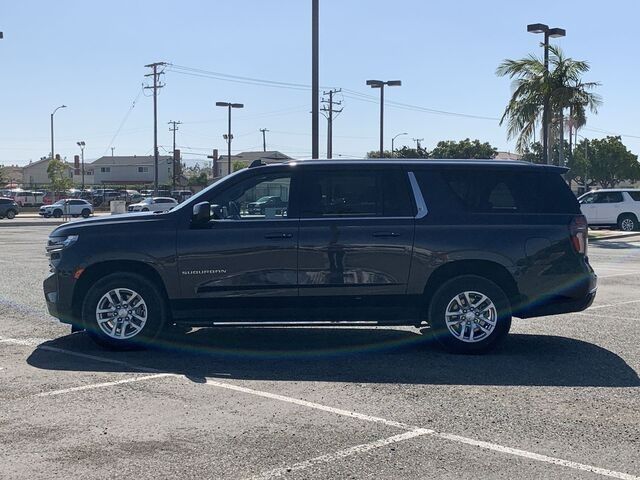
(581, 298)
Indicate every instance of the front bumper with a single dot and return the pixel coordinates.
(58, 294)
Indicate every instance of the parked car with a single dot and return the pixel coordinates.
(263, 204)
(68, 206)
(27, 198)
(103, 197)
(8, 208)
(458, 246)
(153, 204)
(616, 207)
(181, 195)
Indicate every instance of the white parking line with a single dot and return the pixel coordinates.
(446, 436)
(304, 403)
(412, 431)
(613, 305)
(618, 275)
(347, 452)
(105, 384)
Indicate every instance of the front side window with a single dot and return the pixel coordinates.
(256, 198)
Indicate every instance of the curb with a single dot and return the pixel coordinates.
(614, 237)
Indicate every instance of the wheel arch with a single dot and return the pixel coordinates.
(626, 214)
(483, 268)
(96, 271)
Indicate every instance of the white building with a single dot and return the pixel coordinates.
(129, 170)
(35, 174)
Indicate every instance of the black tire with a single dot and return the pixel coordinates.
(145, 209)
(47, 215)
(11, 214)
(627, 222)
(447, 297)
(57, 213)
(85, 213)
(156, 311)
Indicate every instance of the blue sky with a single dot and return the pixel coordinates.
(90, 56)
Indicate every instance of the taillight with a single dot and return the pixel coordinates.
(579, 231)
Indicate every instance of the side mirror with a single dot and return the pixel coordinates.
(201, 213)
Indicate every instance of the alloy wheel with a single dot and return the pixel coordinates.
(121, 313)
(471, 316)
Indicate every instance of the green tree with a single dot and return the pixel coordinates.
(199, 180)
(605, 161)
(406, 152)
(463, 149)
(238, 165)
(376, 154)
(563, 86)
(58, 174)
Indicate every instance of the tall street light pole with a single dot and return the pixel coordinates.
(380, 84)
(394, 139)
(229, 137)
(82, 145)
(53, 155)
(315, 80)
(548, 33)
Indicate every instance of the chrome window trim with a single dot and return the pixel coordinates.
(417, 195)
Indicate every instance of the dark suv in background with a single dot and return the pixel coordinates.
(8, 208)
(459, 246)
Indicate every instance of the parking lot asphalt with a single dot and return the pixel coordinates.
(560, 399)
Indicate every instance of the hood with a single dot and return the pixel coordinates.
(123, 220)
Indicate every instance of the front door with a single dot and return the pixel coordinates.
(356, 238)
(245, 257)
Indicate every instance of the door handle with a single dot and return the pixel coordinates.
(386, 234)
(278, 235)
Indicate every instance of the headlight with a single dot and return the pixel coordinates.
(57, 244)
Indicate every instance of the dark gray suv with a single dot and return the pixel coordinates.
(8, 208)
(457, 246)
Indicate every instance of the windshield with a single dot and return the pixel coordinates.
(263, 199)
(59, 202)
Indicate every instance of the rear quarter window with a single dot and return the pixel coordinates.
(491, 190)
(635, 196)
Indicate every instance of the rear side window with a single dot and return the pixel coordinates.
(4, 201)
(355, 193)
(491, 190)
(635, 196)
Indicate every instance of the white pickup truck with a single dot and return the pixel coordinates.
(619, 207)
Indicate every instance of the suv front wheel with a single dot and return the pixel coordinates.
(123, 311)
(469, 314)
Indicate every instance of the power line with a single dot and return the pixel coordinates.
(353, 94)
(124, 120)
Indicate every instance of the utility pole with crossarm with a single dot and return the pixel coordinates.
(155, 87)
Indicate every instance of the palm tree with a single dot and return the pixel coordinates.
(563, 85)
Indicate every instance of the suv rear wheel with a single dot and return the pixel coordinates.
(11, 214)
(123, 311)
(86, 212)
(469, 314)
(627, 222)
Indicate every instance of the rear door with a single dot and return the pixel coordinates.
(608, 207)
(356, 235)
